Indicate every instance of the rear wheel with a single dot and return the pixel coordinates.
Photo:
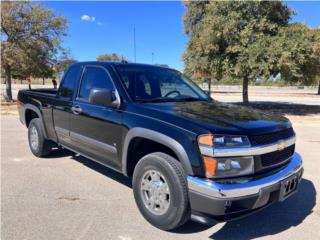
(38, 144)
(160, 190)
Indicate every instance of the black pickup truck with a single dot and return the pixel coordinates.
(189, 156)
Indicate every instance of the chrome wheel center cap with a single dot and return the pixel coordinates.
(155, 192)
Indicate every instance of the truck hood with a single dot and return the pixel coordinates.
(216, 116)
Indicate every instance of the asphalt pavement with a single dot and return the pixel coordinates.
(66, 196)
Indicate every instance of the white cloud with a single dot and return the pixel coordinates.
(99, 23)
(88, 18)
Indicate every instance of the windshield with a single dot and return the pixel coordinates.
(157, 84)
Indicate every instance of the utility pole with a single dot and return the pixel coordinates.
(134, 44)
(152, 57)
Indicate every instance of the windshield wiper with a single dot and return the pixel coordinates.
(189, 99)
(160, 99)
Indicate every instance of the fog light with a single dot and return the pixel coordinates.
(228, 165)
(235, 166)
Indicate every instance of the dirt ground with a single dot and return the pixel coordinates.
(8, 109)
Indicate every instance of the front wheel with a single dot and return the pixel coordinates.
(160, 190)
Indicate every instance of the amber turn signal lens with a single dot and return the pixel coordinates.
(210, 165)
(206, 140)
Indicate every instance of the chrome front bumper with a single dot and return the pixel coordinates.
(243, 187)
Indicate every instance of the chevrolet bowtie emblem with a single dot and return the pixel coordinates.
(281, 145)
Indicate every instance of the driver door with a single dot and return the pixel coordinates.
(95, 130)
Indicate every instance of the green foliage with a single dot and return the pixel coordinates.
(196, 11)
(30, 39)
(299, 61)
(233, 39)
(63, 64)
(111, 57)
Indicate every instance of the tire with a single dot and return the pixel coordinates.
(177, 210)
(38, 144)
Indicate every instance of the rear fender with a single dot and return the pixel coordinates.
(38, 112)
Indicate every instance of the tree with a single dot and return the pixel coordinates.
(63, 64)
(298, 48)
(230, 39)
(194, 15)
(297, 63)
(111, 57)
(196, 64)
(316, 54)
(315, 39)
(32, 36)
(64, 61)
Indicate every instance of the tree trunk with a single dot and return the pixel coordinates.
(7, 73)
(209, 86)
(319, 87)
(43, 81)
(245, 83)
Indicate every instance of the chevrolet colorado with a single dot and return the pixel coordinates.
(189, 156)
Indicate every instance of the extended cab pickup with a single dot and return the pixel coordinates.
(189, 156)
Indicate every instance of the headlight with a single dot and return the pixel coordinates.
(223, 141)
(230, 141)
(227, 166)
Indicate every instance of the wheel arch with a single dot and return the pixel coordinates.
(33, 109)
(160, 138)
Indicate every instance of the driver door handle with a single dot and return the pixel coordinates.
(76, 110)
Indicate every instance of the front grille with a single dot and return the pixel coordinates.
(271, 137)
(276, 157)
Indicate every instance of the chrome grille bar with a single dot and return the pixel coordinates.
(247, 151)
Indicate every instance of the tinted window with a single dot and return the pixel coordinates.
(148, 83)
(71, 77)
(94, 77)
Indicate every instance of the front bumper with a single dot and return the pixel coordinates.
(232, 198)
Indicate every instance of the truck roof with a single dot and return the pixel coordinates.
(112, 63)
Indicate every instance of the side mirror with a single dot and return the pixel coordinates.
(103, 97)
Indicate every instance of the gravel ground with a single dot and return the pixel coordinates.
(67, 196)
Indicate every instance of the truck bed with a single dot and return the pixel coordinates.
(42, 91)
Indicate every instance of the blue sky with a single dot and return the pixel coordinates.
(105, 27)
